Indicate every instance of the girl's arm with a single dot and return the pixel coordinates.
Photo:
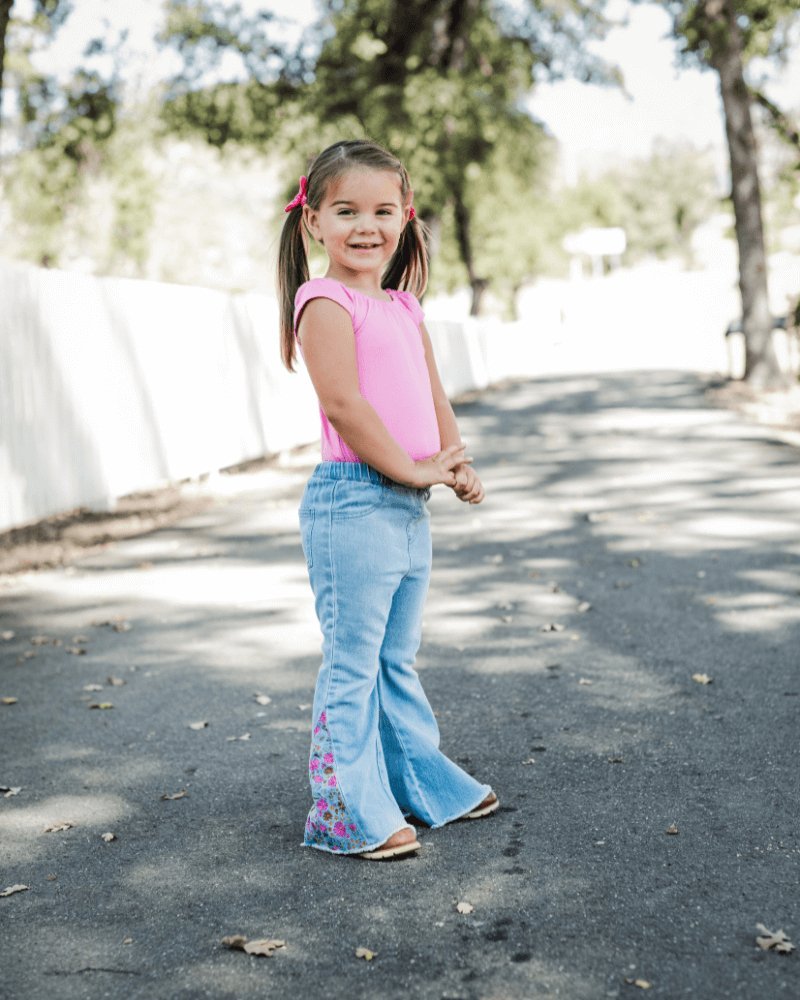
(329, 352)
(468, 486)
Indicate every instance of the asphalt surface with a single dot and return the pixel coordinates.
(632, 537)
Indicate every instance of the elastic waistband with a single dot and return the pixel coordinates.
(361, 472)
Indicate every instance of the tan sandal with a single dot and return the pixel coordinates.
(390, 850)
(384, 853)
(489, 805)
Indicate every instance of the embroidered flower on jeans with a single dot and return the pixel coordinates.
(329, 824)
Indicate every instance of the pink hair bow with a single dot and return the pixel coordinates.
(300, 198)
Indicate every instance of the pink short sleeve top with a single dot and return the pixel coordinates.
(392, 371)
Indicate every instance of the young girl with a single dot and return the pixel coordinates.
(388, 435)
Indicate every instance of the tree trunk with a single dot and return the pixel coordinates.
(5, 17)
(761, 363)
(464, 240)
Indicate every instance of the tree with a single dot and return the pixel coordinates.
(441, 83)
(48, 16)
(724, 35)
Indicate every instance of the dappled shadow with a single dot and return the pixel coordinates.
(652, 536)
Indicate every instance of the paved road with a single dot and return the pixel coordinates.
(678, 525)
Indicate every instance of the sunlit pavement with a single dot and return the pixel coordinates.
(632, 537)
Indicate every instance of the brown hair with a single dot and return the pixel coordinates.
(408, 268)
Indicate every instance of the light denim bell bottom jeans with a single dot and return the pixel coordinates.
(375, 755)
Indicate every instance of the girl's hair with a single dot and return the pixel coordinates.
(408, 268)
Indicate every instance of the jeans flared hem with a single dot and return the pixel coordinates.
(361, 850)
(487, 789)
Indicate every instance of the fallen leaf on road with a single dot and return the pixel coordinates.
(92, 687)
(530, 760)
(40, 640)
(465, 907)
(366, 954)
(101, 704)
(643, 984)
(52, 878)
(584, 681)
(264, 946)
(58, 827)
(8, 701)
(773, 941)
(584, 606)
(552, 627)
(127, 940)
(672, 829)
(616, 760)
(176, 795)
(702, 679)
(11, 889)
(198, 725)
(233, 739)
(80, 640)
(118, 623)
(116, 681)
(507, 619)
(495, 560)
(7, 791)
(634, 563)
(304, 708)
(108, 837)
(263, 699)
(7, 636)
(75, 650)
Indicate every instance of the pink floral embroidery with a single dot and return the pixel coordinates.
(329, 824)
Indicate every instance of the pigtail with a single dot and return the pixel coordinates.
(292, 273)
(408, 268)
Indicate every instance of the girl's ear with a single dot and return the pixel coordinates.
(311, 221)
(408, 209)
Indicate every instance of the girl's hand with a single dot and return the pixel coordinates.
(468, 486)
(439, 468)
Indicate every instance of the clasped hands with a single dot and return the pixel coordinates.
(453, 468)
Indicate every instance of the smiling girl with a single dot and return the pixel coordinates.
(388, 435)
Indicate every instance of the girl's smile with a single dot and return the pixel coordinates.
(359, 222)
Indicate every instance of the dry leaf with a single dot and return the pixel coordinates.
(8, 701)
(702, 679)
(584, 606)
(495, 560)
(264, 946)
(52, 878)
(366, 954)
(7, 791)
(7, 636)
(58, 827)
(552, 627)
(80, 639)
(101, 704)
(108, 837)
(127, 940)
(304, 707)
(176, 795)
(233, 739)
(263, 699)
(507, 619)
(198, 725)
(40, 640)
(672, 829)
(773, 941)
(116, 681)
(634, 563)
(530, 760)
(11, 889)
(119, 623)
(465, 907)
(75, 650)
(92, 687)
(616, 760)
(643, 984)
(584, 681)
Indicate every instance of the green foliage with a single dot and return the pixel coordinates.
(701, 29)
(658, 201)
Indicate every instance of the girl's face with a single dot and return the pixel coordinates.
(359, 222)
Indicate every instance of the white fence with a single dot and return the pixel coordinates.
(108, 386)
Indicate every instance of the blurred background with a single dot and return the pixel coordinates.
(613, 183)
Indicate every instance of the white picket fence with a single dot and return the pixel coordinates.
(108, 386)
